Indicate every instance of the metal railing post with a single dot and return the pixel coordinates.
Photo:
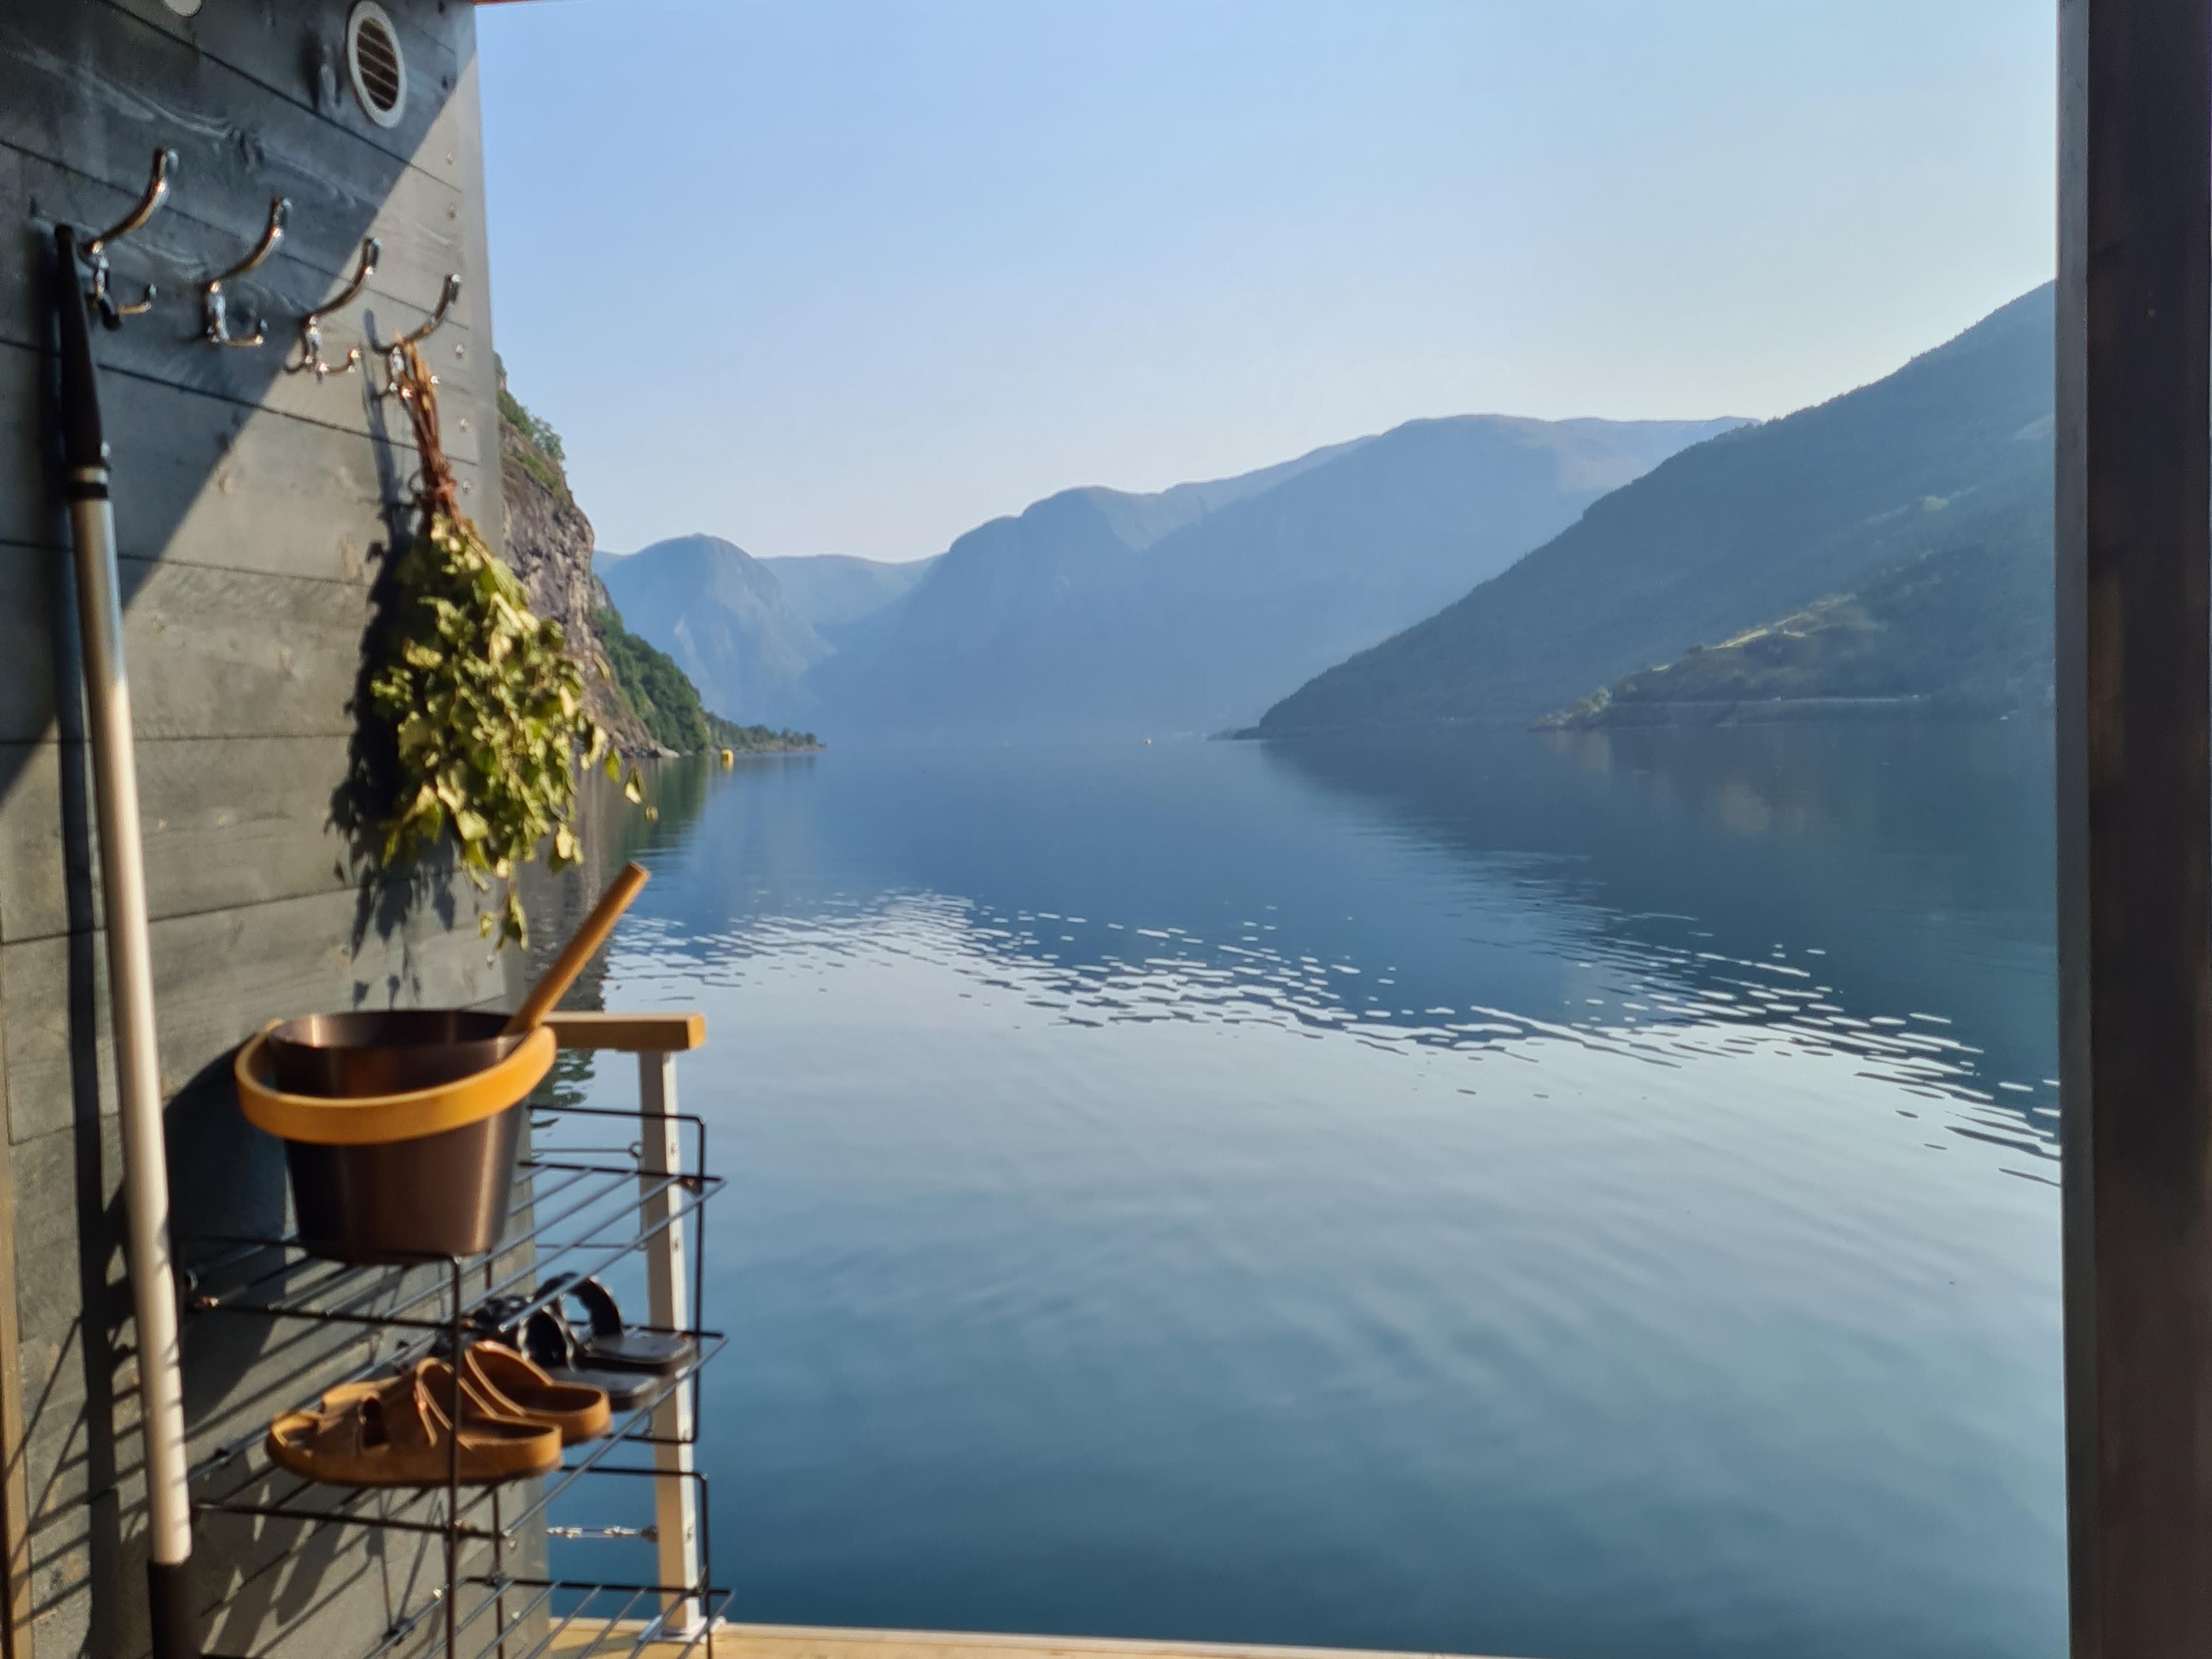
(676, 1503)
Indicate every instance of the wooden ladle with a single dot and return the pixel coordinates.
(582, 946)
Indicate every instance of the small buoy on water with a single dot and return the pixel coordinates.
(1148, 743)
(729, 757)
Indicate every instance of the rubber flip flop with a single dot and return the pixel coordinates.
(545, 1338)
(613, 1346)
(542, 1337)
(397, 1433)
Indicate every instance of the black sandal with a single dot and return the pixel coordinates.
(544, 1335)
(547, 1339)
(616, 1346)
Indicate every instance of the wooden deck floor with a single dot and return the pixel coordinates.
(820, 1642)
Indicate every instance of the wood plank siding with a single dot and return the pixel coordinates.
(252, 508)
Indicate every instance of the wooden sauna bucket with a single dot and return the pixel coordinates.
(400, 1128)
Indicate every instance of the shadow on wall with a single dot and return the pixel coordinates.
(243, 493)
(255, 510)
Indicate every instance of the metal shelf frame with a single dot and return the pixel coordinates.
(578, 1214)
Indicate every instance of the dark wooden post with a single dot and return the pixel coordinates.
(2135, 818)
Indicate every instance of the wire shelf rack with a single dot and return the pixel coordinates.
(579, 1211)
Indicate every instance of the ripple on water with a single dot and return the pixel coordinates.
(1663, 1005)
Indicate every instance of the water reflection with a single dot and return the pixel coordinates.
(1889, 889)
(1880, 893)
(1493, 1193)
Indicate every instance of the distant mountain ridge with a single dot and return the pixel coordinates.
(1950, 454)
(745, 630)
(642, 698)
(831, 591)
(1100, 614)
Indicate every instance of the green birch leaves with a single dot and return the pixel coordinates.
(484, 703)
(488, 708)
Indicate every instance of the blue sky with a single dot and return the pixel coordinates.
(844, 276)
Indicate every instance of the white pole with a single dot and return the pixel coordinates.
(668, 1298)
(130, 997)
(130, 977)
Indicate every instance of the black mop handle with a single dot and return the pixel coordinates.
(84, 448)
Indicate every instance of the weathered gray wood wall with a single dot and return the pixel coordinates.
(252, 508)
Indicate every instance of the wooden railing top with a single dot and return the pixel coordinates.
(630, 1034)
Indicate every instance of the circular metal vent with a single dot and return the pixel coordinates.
(373, 60)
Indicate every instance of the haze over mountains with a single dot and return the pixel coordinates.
(1892, 543)
(747, 630)
(1102, 614)
(1948, 459)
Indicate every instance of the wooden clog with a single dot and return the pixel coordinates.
(399, 1433)
(518, 1389)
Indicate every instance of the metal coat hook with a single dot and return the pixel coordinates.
(95, 247)
(392, 359)
(311, 325)
(215, 318)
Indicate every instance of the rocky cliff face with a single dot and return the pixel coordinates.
(549, 543)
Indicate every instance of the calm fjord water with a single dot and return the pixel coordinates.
(1581, 1196)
